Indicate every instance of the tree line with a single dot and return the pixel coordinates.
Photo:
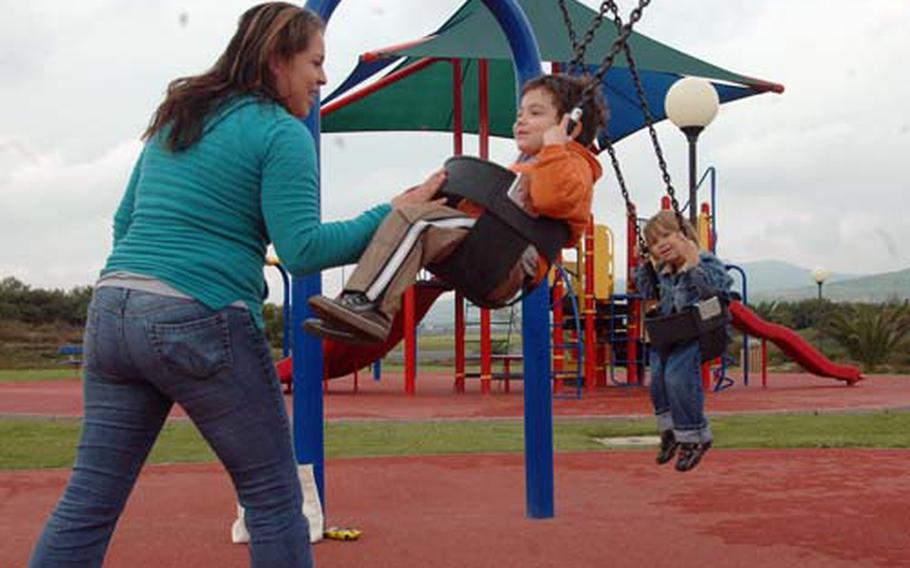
(36, 306)
(873, 335)
(21, 302)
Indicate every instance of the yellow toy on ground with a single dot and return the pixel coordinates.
(342, 533)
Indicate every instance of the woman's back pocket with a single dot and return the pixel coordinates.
(198, 348)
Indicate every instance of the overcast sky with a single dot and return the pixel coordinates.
(815, 176)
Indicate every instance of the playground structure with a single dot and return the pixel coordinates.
(307, 352)
(810, 489)
(595, 331)
(391, 103)
(610, 331)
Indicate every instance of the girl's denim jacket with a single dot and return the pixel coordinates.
(683, 289)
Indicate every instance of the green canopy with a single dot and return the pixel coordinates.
(423, 100)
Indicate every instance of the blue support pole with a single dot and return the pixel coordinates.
(535, 333)
(308, 370)
(309, 444)
(514, 23)
(535, 307)
(307, 351)
(286, 311)
(745, 300)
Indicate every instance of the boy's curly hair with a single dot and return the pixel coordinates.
(566, 91)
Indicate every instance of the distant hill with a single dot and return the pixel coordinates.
(766, 275)
(767, 280)
(874, 288)
(772, 275)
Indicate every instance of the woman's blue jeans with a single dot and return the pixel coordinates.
(143, 353)
(677, 393)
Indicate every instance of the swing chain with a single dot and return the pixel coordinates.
(623, 32)
(649, 119)
(630, 207)
(618, 44)
(570, 29)
(580, 48)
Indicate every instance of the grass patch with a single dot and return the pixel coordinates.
(395, 366)
(33, 443)
(28, 375)
(886, 429)
(355, 439)
(51, 443)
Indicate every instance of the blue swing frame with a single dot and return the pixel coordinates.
(309, 443)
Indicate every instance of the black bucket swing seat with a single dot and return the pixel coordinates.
(499, 236)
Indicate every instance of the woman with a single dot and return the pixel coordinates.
(176, 315)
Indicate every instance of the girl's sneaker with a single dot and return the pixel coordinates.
(668, 447)
(690, 455)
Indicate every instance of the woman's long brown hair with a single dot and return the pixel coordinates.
(276, 29)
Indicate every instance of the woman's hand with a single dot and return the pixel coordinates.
(422, 193)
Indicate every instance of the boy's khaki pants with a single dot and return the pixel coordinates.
(411, 237)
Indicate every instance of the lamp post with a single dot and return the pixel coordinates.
(691, 104)
(820, 275)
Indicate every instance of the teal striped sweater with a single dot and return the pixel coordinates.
(200, 220)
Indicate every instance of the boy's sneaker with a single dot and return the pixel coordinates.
(327, 330)
(690, 455)
(354, 312)
(668, 447)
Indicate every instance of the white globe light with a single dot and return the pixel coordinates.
(820, 275)
(691, 102)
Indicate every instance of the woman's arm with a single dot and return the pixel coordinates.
(290, 206)
(123, 218)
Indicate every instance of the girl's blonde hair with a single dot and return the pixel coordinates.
(667, 221)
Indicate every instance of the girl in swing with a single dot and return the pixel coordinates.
(558, 174)
(678, 274)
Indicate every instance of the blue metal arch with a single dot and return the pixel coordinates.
(307, 350)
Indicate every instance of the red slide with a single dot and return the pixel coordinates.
(344, 358)
(792, 344)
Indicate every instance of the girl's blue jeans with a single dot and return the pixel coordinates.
(143, 353)
(677, 393)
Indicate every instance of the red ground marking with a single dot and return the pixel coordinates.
(820, 508)
(436, 400)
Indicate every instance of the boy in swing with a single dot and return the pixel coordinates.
(558, 173)
(679, 275)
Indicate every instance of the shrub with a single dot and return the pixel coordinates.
(870, 333)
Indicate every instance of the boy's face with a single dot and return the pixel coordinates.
(536, 113)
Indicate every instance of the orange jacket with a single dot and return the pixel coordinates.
(561, 186)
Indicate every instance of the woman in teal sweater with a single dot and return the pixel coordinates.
(227, 168)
